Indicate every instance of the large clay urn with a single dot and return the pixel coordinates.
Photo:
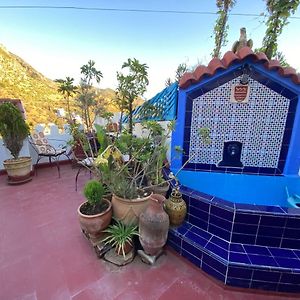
(93, 225)
(154, 225)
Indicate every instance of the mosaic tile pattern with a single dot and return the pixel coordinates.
(259, 125)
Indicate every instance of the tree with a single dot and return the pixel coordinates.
(278, 13)
(87, 95)
(221, 26)
(67, 89)
(131, 86)
(181, 69)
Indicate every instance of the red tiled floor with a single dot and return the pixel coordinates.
(43, 254)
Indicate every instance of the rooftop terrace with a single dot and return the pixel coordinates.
(43, 254)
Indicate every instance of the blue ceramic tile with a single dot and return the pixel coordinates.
(292, 233)
(290, 288)
(214, 273)
(196, 239)
(214, 220)
(288, 262)
(293, 211)
(239, 272)
(199, 203)
(194, 260)
(236, 248)
(222, 233)
(216, 250)
(223, 203)
(270, 231)
(198, 222)
(297, 252)
(262, 260)
(243, 238)
(276, 221)
(244, 207)
(293, 223)
(251, 249)
(288, 94)
(290, 278)
(221, 213)
(201, 232)
(186, 190)
(293, 105)
(263, 285)
(200, 195)
(290, 244)
(239, 258)
(174, 246)
(183, 229)
(204, 167)
(243, 283)
(214, 263)
(192, 249)
(271, 209)
(246, 218)
(174, 239)
(266, 275)
(253, 170)
(219, 242)
(245, 228)
(279, 252)
(198, 92)
(198, 213)
(268, 241)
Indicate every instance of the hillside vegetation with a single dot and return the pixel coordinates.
(38, 93)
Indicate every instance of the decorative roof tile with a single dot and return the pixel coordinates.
(162, 107)
(228, 59)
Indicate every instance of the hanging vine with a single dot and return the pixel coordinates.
(278, 12)
(221, 26)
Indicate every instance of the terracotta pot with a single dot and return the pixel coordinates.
(176, 208)
(18, 170)
(154, 225)
(161, 189)
(128, 210)
(92, 225)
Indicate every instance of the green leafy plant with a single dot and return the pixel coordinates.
(13, 128)
(94, 192)
(119, 235)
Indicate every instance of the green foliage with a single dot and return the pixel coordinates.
(181, 69)
(94, 192)
(221, 26)
(278, 12)
(204, 133)
(87, 98)
(13, 128)
(119, 235)
(131, 86)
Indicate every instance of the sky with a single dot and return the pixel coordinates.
(57, 42)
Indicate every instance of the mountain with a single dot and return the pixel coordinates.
(38, 93)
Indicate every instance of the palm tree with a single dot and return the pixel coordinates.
(67, 89)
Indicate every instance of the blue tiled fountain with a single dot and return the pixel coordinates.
(243, 220)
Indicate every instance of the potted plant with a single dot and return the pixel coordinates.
(121, 236)
(94, 214)
(14, 131)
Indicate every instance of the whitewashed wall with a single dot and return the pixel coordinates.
(56, 138)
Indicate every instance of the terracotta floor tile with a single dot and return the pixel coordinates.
(43, 254)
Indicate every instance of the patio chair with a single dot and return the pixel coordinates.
(43, 148)
(84, 163)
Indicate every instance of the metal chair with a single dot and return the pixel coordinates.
(43, 148)
(85, 163)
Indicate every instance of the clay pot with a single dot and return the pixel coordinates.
(92, 225)
(161, 189)
(128, 210)
(176, 208)
(18, 170)
(154, 225)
